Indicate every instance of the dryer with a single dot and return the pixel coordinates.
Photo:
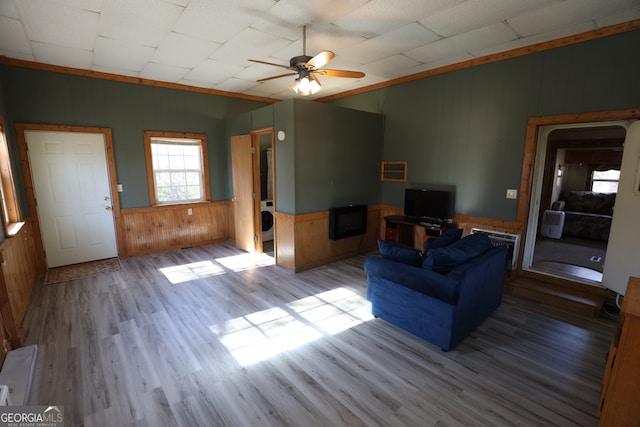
(266, 207)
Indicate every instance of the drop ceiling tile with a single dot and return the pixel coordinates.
(57, 24)
(116, 71)
(8, 8)
(90, 5)
(293, 14)
(219, 20)
(463, 43)
(259, 71)
(379, 16)
(568, 13)
(405, 38)
(62, 55)
(119, 55)
(144, 22)
(195, 83)
(213, 72)
(163, 72)
(629, 14)
(235, 85)
(247, 44)
(12, 36)
(23, 56)
(183, 51)
(478, 13)
(443, 62)
(390, 66)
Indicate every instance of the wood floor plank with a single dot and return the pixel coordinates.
(212, 336)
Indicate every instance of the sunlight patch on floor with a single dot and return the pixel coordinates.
(187, 272)
(246, 261)
(198, 270)
(263, 334)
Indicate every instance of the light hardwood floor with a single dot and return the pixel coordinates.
(234, 341)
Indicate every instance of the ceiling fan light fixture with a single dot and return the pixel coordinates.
(305, 86)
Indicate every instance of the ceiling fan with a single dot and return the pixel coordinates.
(306, 68)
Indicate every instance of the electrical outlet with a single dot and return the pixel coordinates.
(512, 193)
(189, 211)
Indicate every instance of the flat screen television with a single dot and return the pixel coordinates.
(421, 203)
(347, 221)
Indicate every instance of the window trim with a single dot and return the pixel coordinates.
(206, 190)
(10, 210)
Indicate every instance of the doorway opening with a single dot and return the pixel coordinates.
(267, 200)
(574, 188)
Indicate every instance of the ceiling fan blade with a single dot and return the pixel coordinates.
(277, 77)
(320, 59)
(313, 77)
(271, 63)
(340, 73)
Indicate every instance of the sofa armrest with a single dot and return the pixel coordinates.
(481, 280)
(421, 280)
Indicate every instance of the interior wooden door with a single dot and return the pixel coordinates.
(244, 200)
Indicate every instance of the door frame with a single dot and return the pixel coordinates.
(28, 182)
(537, 189)
(257, 188)
(527, 183)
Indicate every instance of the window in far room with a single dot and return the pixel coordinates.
(10, 211)
(177, 167)
(605, 181)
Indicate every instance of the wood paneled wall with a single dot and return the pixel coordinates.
(19, 272)
(302, 241)
(164, 228)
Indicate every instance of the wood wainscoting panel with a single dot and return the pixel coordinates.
(19, 272)
(164, 228)
(303, 240)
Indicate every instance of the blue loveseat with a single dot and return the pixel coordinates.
(443, 295)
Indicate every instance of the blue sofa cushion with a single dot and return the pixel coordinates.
(429, 283)
(450, 236)
(442, 260)
(398, 252)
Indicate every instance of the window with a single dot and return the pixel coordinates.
(605, 181)
(176, 167)
(10, 211)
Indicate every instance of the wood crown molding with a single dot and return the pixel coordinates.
(128, 79)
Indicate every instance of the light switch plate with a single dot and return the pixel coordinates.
(512, 193)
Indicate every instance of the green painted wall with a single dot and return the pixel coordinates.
(467, 128)
(337, 156)
(35, 96)
(330, 155)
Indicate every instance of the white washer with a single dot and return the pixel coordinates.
(266, 207)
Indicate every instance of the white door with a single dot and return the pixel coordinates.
(71, 185)
(623, 258)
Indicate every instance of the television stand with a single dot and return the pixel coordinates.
(411, 232)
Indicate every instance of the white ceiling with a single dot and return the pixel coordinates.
(206, 43)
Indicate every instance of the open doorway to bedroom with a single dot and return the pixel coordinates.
(575, 185)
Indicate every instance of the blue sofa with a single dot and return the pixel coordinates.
(441, 296)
